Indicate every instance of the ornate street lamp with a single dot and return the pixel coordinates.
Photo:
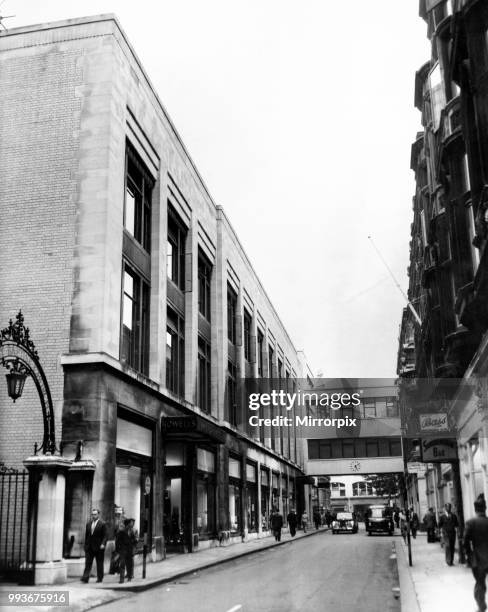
(19, 355)
(15, 383)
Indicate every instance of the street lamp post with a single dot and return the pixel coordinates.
(19, 356)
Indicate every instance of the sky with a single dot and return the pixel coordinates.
(300, 119)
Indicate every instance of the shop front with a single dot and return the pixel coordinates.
(265, 499)
(190, 451)
(252, 497)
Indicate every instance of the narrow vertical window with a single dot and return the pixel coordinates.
(138, 193)
(231, 314)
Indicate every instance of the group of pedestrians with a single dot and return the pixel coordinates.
(276, 523)
(474, 542)
(126, 539)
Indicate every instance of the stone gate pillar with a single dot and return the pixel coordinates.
(49, 472)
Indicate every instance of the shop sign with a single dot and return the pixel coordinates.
(434, 422)
(416, 467)
(147, 485)
(438, 451)
(192, 425)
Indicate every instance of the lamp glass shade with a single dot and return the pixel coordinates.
(15, 383)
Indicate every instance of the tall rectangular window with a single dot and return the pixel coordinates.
(260, 352)
(204, 375)
(175, 353)
(138, 191)
(270, 361)
(135, 321)
(247, 335)
(175, 255)
(232, 394)
(204, 278)
(231, 314)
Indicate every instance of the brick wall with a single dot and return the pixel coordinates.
(39, 124)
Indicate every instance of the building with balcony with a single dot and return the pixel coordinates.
(145, 308)
(448, 255)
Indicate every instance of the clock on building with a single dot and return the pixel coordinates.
(355, 466)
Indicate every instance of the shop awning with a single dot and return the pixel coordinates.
(192, 427)
(305, 480)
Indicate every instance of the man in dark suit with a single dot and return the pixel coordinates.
(448, 523)
(95, 541)
(476, 546)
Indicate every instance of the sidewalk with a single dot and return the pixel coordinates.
(84, 597)
(430, 584)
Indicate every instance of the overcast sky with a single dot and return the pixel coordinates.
(300, 118)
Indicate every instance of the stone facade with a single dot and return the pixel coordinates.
(76, 110)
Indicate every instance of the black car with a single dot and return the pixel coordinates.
(379, 520)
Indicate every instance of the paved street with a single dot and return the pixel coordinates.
(342, 573)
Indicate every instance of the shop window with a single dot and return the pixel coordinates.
(284, 496)
(204, 375)
(133, 460)
(275, 492)
(204, 278)
(235, 507)
(231, 314)
(128, 491)
(205, 517)
(134, 349)
(175, 352)
(235, 517)
(252, 497)
(175, 254)
(206, 492)
(172, 514)
(138, 190)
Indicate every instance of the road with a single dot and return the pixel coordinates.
(336, 573)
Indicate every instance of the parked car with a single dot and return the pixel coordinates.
(379, 519)
(346, 522)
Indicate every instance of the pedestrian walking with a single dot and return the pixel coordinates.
(476, 546)
(430, 523)
(125, 542)
(448, 524)
(95, 541)
(317, 519)
(414, 523)
(402, 517)
(396, 518)
(328, 518)
(304, 521)
(292, 521)
(276, 525)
